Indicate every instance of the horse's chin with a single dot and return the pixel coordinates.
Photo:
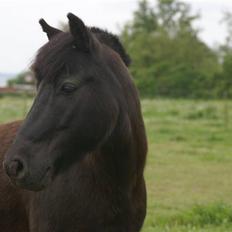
(35, 185)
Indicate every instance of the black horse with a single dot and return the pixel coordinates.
(78, 157)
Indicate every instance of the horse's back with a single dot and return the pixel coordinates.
(12, 209)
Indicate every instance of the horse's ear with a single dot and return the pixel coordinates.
(50, 31)
(81, 33)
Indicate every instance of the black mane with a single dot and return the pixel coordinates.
(112, 41)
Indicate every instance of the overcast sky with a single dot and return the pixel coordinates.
(21, 35)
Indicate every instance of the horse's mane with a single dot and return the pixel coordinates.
(113, 42)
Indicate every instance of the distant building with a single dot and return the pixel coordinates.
(8, 90)
(23, 83)
(24, 87)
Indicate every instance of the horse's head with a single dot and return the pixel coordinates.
(78, 104)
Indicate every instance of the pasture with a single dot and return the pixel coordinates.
(189, 166)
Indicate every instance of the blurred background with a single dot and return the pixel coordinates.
(181, 55)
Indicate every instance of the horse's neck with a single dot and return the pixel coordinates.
(116, 161)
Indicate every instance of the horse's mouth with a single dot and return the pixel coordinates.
(35, 184)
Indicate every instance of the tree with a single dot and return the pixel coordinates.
(168, 58)
(23, 78)
(225, 81)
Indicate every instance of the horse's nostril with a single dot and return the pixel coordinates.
(15, 169)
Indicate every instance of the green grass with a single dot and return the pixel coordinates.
(189, 166)
(13, 108)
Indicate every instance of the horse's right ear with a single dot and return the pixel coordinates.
(81, 33)
(50, 31)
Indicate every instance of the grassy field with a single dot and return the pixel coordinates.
(189, 166)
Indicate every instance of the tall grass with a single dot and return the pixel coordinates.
(216, 214)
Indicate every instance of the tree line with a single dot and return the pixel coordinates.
(168, 57)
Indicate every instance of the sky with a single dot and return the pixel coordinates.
(21, 35)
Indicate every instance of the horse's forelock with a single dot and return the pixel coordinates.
(52, 57)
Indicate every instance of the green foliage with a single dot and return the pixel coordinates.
(222, 82)
(168, 58)
(20, 79)
(225, 82)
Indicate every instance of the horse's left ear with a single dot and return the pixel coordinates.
(82, 35)
(50, 31)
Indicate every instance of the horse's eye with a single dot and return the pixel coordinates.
(68, 87)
